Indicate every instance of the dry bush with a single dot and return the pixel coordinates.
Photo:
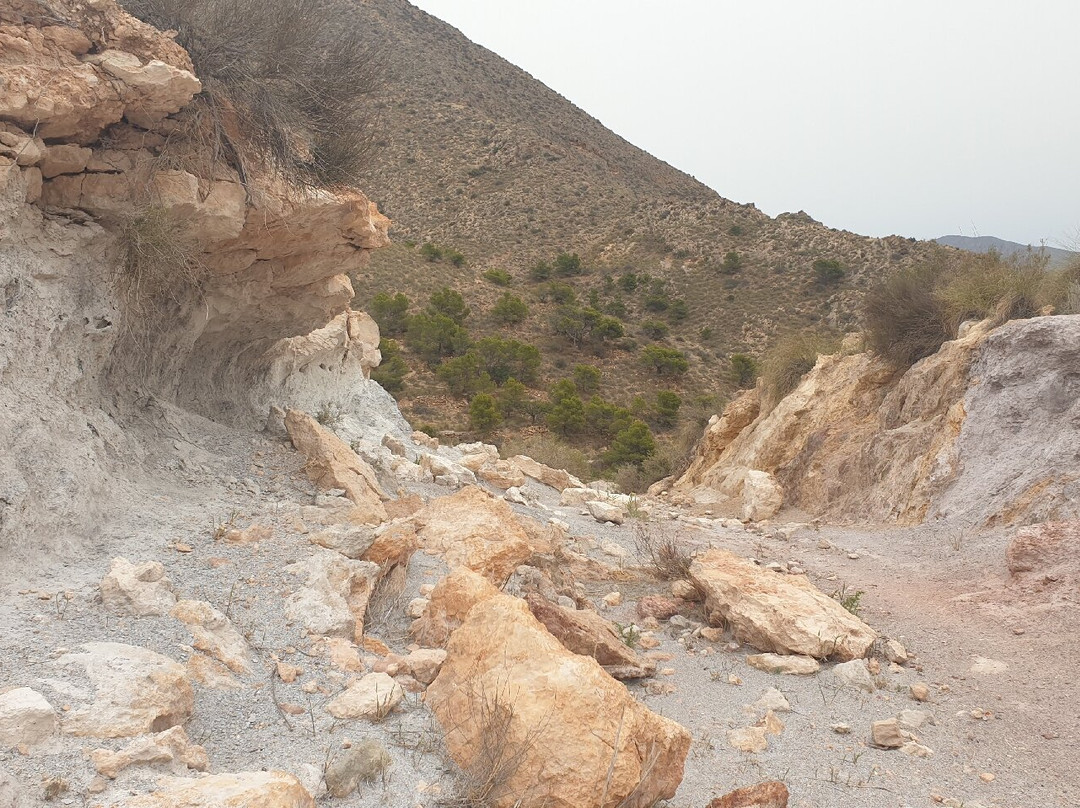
(904, 318)
(285, 82)
(485, 781)
(791, 358)
(666, 554)
(989, 286)
(159, 264)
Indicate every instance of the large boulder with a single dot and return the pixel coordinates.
(141, 590)
(785, 614)
(450, 603)
(334, 597)
(331, 463)
(1045, 554)
(549, 727)
(213, 633)
(558, 479)
(471, 528)
(136, 691)
(271, 789)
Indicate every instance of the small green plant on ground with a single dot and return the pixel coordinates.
(667, 408)
(430, 252)
(630, 634)
(733, 263)
(450, 303)
(851, 601)
(745, 369)
(587, 379)
(568, 264)
(655, 329)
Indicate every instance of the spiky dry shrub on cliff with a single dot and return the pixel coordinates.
(285, 81)
(791, 358)
(159, 263)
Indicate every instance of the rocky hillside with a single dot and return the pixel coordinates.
(479, 157)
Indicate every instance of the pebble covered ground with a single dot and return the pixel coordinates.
(996, 736)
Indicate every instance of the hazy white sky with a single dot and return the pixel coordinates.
(923, 117)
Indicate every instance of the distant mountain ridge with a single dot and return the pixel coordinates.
(982, 244)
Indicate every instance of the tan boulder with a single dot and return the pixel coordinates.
(471, 528)
(64, 158)
(585, 632)
(26, 718)
(271, 789)
(140, 590)
(331, 463)
(764, 795)
(213, 633)
(372, 697)
(791, 665)
(501, 474)
(558, 479)
(163, 747)
(449, 605)
(136, 691)
(334, 598)
(785, 614)
(560, 731)
(424, 664)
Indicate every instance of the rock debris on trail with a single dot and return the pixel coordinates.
(219, 590)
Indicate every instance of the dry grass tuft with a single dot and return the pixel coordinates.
(159, 263)
(789, 360)
(666, 554)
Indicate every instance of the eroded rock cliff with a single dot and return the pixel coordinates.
(985, 431)
(142, 273)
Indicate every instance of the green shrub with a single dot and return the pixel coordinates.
(791, 358)
(484, 415)
(678, 310)
(828, 271)
(655, 329)
(733, 263)
(628, 282)
(566, 417)
(585, 325)
(568, 265)
(633, 445)
(667, 408)
(512, 398)
(989, 286)
(665, 361)
(604, 420)
(284, 82)
(465, 376)
(561, 293)
(504, 359)
(904, 318)
(745, 369)
(540, 271)
(449, 302)
(455, 258)
(434, 336)
(391, 313)
(510, 310)
(391, 372)
(587, 378)
(430, 252)
(499, 277)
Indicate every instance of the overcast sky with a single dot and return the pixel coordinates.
(924, 117)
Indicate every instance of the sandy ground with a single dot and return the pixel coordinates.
(942, 594)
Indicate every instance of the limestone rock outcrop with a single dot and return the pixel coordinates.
(855, 441)
(334, 597)
(271, 789)
(140, 590)
(575, 736)
(1045, 554)
(785, 614)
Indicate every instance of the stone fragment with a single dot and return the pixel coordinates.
(212, 632)
(983, 666)
(605, 512)
(841, 729)
(612, 599)
(272, 789)
(361, 763)
(509, 688)
(658, 607)
(331, 463)
(287, 673)
(854, 674)
(790, 665)
(780, 613)
(64, 158)
(210, 673)
(887, 734)
(26, 718)
(919, 691)
(916, 749)
(372, 698)
(352, 541)
(140, 590)
(911, 720)
(685, 590)
(585, 632)
(424, 664)
(763, 795)
(416, 608)
(895, 652)
(163, 747)
(136, 691)
(771, 700)
(501, 474)
(748, 739)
